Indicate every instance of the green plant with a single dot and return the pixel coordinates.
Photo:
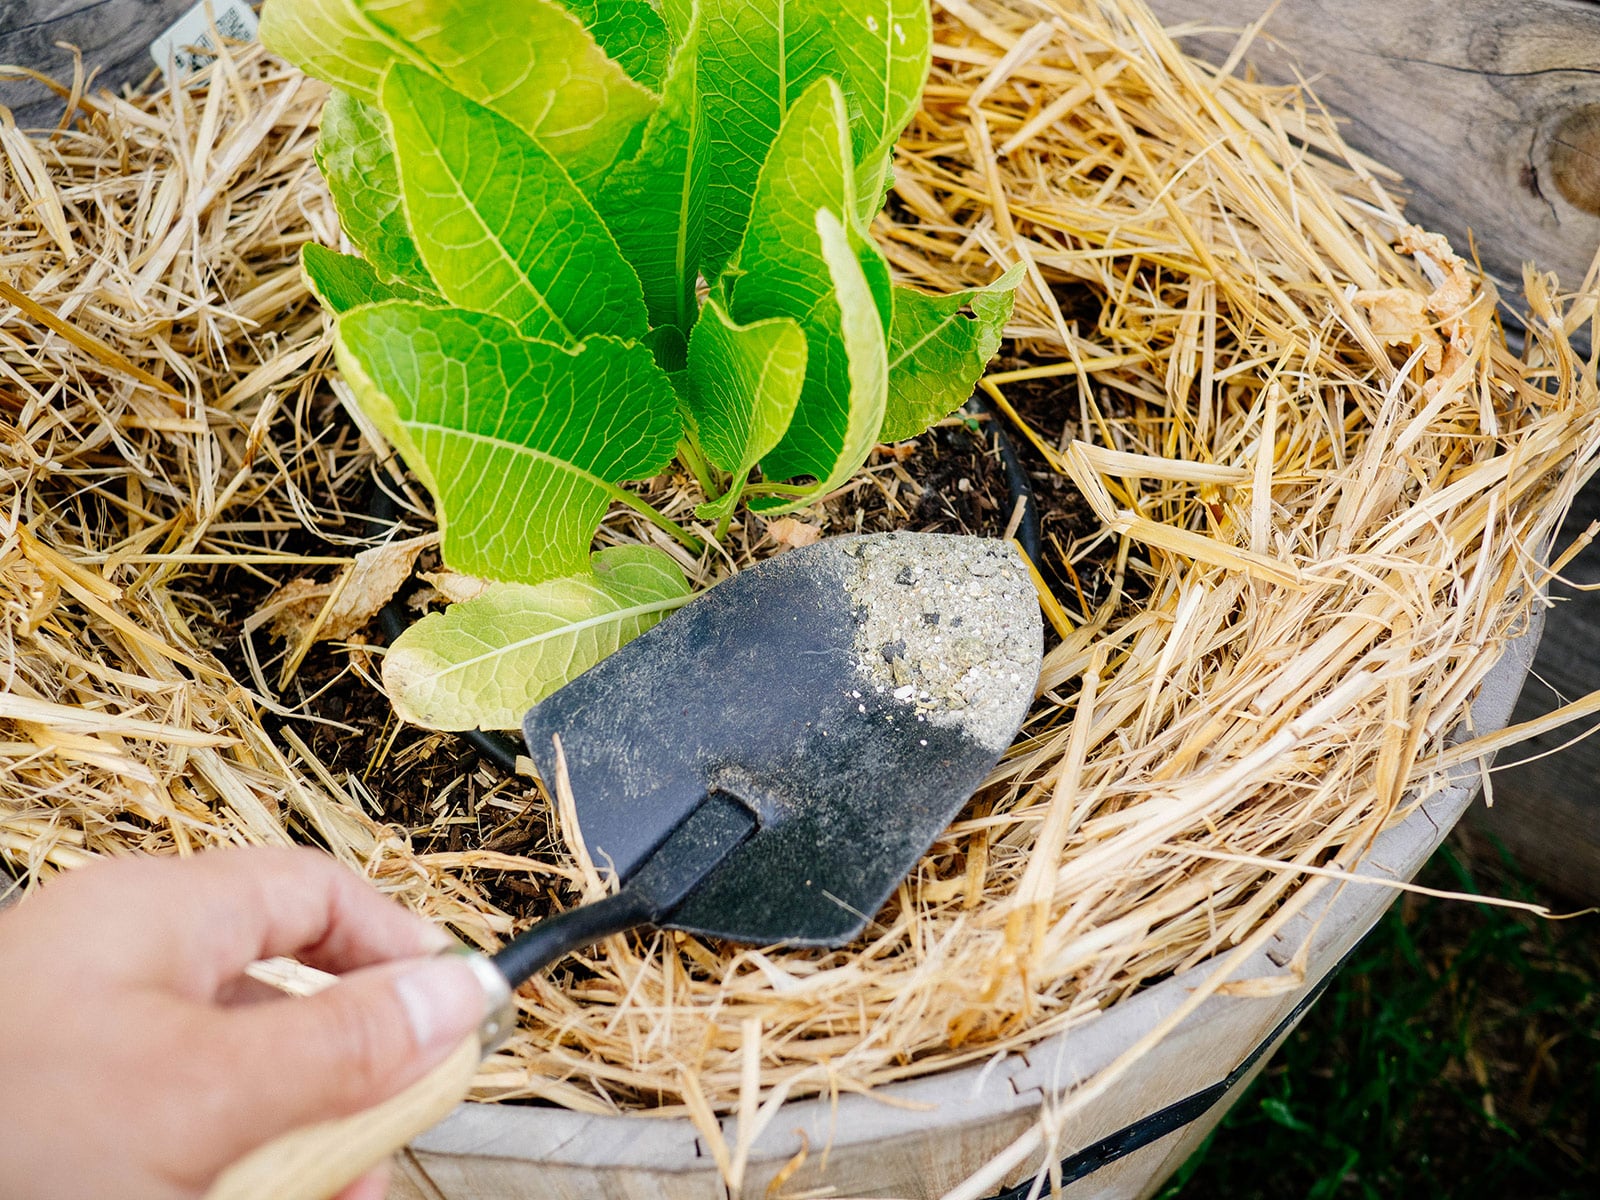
(597, 235)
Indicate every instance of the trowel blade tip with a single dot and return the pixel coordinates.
(948, 626)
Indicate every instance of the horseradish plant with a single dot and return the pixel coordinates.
(596, 235)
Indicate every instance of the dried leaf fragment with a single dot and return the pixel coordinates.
(1399, 318)
(453, 585)
(1453, 287)
(295, 611)
(792, 534)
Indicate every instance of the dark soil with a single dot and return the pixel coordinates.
(436, 785)
(1050, 407)
(949, 480)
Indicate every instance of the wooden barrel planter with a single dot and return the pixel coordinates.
(1118, 1102)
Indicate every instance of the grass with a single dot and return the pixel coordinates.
(1458, 1055)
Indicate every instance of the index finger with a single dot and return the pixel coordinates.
(200, 921)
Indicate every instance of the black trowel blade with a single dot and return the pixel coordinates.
(852, 694)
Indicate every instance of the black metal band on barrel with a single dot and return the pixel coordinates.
(1174, 1116)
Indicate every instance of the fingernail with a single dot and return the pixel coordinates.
(442, 999)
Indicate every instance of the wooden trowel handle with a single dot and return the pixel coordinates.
(316, 1162)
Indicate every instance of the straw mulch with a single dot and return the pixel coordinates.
(1323, 484)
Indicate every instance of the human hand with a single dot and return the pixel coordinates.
(138, 1059)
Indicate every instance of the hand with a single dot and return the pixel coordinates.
(136, 1059)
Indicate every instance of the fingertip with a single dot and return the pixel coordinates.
(304, 903)
(435, 940)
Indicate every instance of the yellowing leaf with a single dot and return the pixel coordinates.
(484, 662)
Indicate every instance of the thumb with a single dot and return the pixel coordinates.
(352, 1045)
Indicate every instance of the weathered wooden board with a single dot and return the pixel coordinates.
(1547, 803)
(409, 1184)
(1490, 108)
(114, 35)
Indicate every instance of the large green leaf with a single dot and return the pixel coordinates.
(654, 204)
(499, 224)
(532, 62)
(831, 435)
(884, 47)
(741, 389)
(780, 269)
(357, 160)
(343, 281)
(678, 16)
(936, 354)
(522, 443)
(758, 59)
(784, 269)
(755, 61)
(484, 662)
(876, 268)
(632, 32)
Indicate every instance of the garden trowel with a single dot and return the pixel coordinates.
(764, 766)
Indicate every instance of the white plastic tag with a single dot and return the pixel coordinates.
(186, 45)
